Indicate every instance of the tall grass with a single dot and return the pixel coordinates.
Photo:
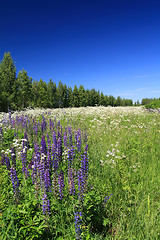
(121, 196)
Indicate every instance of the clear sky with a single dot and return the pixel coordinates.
(110, 45)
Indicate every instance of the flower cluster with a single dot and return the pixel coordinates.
(78, 222)
(15, 182)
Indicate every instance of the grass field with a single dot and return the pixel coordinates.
(80, 173)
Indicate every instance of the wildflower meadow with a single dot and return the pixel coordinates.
(80, 173)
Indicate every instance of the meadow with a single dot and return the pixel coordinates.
(80, 173)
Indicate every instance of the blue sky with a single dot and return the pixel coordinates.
(110, 45)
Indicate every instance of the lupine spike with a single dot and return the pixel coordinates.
(78, 222)
(46, 205)
(61, 184)
(15, 182)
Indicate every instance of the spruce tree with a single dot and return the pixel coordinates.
(75, 97)
(43, 100)
(60, 90)
(52, 94)
(82, 101)
(25, 88)
(70, 97)
(8, 83)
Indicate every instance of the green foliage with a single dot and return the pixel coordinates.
(75, 97)
(155, 104)
(82, 101)
(25, 89)
(7, 82)
(146, 101)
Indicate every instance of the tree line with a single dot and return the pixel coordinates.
(21, 91)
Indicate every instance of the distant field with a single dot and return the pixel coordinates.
(80, 173)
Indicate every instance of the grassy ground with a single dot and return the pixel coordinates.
(124, 153)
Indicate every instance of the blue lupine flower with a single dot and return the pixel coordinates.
(107, 198)
(47, 180)
(78, 140)
(46, 205)
(43, 145)
(13, 156)
(71, 181)
(80, 185)
(61, 184)
(15, 182)
(70, 136)
(7, 162)
(78, 222)
(65, 139)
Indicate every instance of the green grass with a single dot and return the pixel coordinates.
(124, 159)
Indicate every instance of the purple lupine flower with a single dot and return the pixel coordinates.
(59, 149)
(41, 172)
(71, 181)
(78, 222)
(54, 139)
(61, 184)
(3, 159)
(35, 127)
(34, 172)
(7, 162)
(37, 155)
(107, 198)
(43, 124)
(78, 140)
(49, 142)
(13, 122)
(1, 133)
(70, 156)
(54, 158)
(48, 162)
(59, 134)
(47, 180)
(85, 135)
(26, 143)
(24, 161)
(46, 205)
(13, 156)
(70, 136)
(54, 183)
(50, 124)
(43, 145)
(30, 164)
(65, 139)
(80, 185)
(15, 182)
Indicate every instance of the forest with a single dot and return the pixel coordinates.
(19, 91)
